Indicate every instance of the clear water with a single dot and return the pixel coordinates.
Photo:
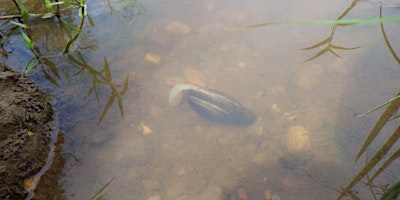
(307, 133)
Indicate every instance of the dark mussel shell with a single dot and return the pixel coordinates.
(217, 107)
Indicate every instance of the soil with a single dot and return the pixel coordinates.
(26, 122)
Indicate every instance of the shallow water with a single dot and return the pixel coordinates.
(306, 136)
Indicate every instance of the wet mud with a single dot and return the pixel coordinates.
(26, 123)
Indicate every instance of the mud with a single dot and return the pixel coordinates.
(26, 121)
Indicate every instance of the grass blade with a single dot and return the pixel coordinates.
(385, 117)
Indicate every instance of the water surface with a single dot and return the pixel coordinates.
(307, 133)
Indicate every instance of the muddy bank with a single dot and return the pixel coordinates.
(26, 122)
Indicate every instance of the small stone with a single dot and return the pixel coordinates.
(298, 139)
(145, 129)
(182, 172)
(211, 193)
(275, 197)
(275, 108)
(241, 194)
(175, 191)
(28, 183)
(153, 58)
(242, 65)
(178, 28)
(151, 184)
(267, 195)
(154, 197)
(195, 77)
(259, 158)
(171, 81)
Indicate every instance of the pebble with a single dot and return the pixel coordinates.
(298, 139)
(259, 158)
(149, 184)
(211, 193)
(241, 194)
(153, 58)
(195, 77)
(154, 197)
(178, 28)
(171, 81)
(174, 191)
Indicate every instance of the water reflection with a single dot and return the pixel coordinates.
(159, 152)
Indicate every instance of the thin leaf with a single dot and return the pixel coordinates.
(24, 26)
(69, 3)
(31, 65)
(381, 105)
(343, 48)
(318, 54)
(91, 21)
(125, 86)
(120, 105)
(27, 40)
(334, 53)
(108, 105)
(385, 117)
(326, 41)
(48, 5)
(58, 3)
(389, 161)
(49, 78)
(23, 10)
(51, 66)
(48, 15)
(101, 190)
(82, 11)
(107, 70)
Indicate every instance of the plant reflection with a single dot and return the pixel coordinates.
(102, 77)
(55, 41)
(328, 41)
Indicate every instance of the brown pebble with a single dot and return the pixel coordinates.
(242, 195)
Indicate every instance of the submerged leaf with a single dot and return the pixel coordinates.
(343, 48)
(318, 54)
(107, 71)
(91, 21)
(108, 105)
(389, 161)
(125, 86)
(120, 105)
(334, 53)
(326, 41)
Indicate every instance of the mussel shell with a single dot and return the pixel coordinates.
(218, 107)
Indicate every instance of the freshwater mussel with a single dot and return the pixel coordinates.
(211, 105)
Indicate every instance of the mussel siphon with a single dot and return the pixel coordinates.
(211, 105)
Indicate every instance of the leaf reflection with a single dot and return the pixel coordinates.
(328, 41)
(102, 77)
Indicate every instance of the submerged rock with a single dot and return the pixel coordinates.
(211, 105)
